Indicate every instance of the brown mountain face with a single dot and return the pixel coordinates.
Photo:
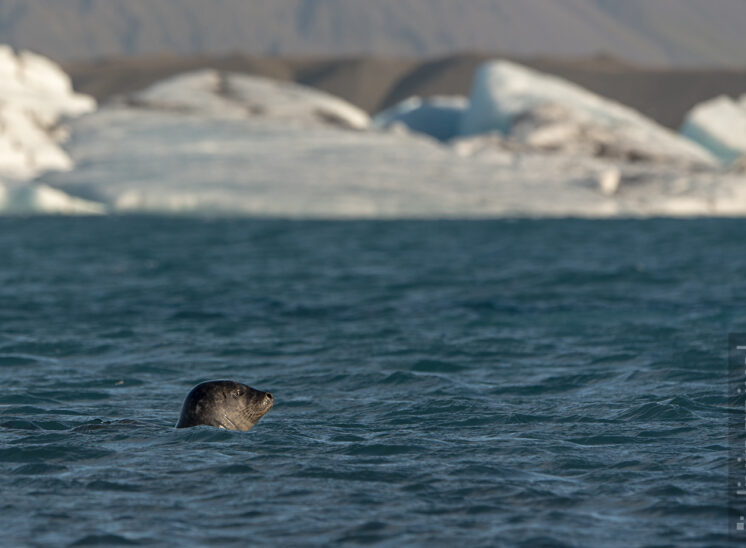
(660, 32)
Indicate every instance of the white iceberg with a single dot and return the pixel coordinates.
(35, 84)
(212, 93)
(720, 126)
(438, 116)
(548, 113)
(27, 147)
(161, 161)
(34, 95)
(211, 144)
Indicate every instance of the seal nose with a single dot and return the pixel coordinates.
(268, 396)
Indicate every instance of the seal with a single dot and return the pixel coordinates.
(224, 404)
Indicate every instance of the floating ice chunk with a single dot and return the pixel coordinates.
(24, 199)
(212, 93)
(549, 113)
(36, 84)
(438, 117)
(720, 126)
(34, 95)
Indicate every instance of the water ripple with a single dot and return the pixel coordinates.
(520, 383)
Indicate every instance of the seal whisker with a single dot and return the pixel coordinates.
(233, 424)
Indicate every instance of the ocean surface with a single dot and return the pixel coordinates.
(485, 383)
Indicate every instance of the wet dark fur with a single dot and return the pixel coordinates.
(224, 404)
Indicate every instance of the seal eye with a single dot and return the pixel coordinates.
(237, 393)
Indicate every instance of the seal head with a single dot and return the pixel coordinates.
(224, 404)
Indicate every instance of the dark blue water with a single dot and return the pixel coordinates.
(524, 383)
